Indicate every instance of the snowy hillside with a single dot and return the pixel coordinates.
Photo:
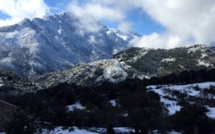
(57, 42)
(12, 84)
(76, 130)
(160, 62)
(90, 74)
(171, 95)
(134, 63)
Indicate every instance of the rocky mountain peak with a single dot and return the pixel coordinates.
(55, 43)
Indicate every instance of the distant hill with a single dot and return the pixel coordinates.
(135, 63)
(160, 62)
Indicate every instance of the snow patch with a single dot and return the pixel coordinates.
(189, 89)
(77, 105)
(123, 130)
(25, 42)
(60, 130)
(195, 48)
(168, 60)
(11, 34)
(191, 50)
(113, 102)
(139, 55)
(94, 130)
(59, 31)
(1, 82)
(124, 37)
(115, 51)
(203, 63)
(204, 55)
(211, 112)
(170, 105)
(76, 130)
(92, 39)
(6, 60)
(114, 72)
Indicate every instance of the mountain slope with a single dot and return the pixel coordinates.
(55, 43)
(12, 84)
(160, 62)
(92, 73)
(134, 63)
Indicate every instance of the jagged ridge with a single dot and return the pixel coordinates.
(55, 43)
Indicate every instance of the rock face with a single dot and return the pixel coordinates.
(55, 43)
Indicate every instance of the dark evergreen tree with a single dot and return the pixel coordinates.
(110, 129)
(21, 122)
(193, 118)
(144, 111)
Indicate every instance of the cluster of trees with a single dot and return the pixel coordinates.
(184, 77)
(192, 119)
(136, 107)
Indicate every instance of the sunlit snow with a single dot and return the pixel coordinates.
(77, 105)
(189, 89)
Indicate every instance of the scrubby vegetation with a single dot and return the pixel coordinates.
(135, 106)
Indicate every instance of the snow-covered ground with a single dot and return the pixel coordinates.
(113, 70)
(168, 60)
(76, 130)
(211, 112)
(171, 105)
(77, 105)
(113, 103)
(165, 92)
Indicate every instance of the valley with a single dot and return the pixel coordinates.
(67, 78)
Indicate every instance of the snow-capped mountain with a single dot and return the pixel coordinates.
(57, 42)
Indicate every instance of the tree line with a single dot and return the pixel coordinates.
(136, 107)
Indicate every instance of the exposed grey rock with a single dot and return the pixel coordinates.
(56, 43)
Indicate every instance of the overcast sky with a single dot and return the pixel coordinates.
(162, 23)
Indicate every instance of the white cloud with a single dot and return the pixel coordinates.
(156, 40)
(98, 10)
(125, 26)
(20, 9)
(185, 21)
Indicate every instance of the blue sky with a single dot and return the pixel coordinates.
(166, 24)
(3, 15)
(141, 22)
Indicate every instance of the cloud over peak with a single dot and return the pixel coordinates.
(184, 21)
(20, 9)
